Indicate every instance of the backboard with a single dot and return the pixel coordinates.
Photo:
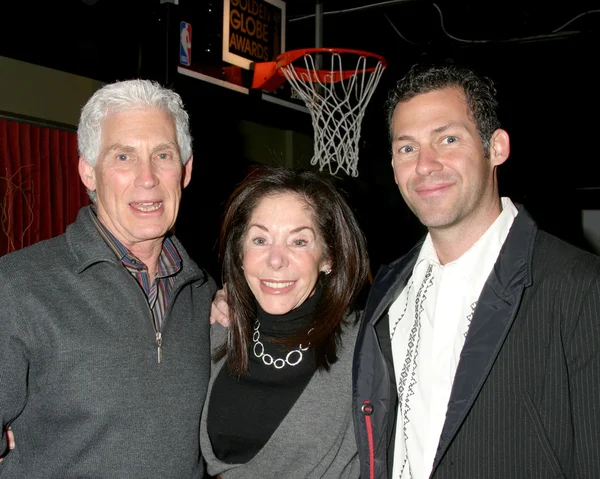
(221, 39)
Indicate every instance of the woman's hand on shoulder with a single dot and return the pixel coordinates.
(219, 310)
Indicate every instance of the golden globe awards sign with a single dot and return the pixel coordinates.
(253, 31)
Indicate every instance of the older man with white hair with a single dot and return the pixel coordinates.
(104, 345)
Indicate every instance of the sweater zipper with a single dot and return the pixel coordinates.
(159, 346)
(157, 330)
(367, 410)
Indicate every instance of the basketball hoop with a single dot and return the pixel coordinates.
(336, 97)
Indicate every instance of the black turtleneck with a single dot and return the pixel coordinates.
(244, 412)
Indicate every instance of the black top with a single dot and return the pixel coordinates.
(244, 412)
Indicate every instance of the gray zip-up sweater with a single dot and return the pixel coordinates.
(315, 440)
(80, 383)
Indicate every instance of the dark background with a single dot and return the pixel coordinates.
(541, 56)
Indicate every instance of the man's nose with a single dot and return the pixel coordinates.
(146, 175)
(428, 162)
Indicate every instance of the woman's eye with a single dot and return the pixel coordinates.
(259, 241)
(300, 242)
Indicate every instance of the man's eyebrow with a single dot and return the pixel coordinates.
(435, 131)
(120, 147)
(165, 146)
(441, 129)
(403, 138)
(128, 148)
(454, 124)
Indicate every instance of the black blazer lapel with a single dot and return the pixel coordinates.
(493, 317)
(388, 284)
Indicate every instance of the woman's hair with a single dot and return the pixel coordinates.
(124, 96)
(344, 247)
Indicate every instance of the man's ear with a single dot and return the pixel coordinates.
(394, 171)
(87, 174)
(499, 147)
(187, 171)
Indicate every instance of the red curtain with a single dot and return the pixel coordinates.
(40, 188)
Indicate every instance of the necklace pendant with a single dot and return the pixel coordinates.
(293, 358)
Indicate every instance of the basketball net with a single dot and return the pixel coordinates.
(337, 98)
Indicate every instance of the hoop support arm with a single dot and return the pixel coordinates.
(267, 76)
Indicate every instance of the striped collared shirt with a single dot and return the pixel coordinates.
(169, 264)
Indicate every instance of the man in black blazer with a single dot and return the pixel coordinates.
(479, 352)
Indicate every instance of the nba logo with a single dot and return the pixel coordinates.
(185, 44)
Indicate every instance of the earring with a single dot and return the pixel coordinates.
(327, 271)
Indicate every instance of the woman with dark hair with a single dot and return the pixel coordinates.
(294, 260)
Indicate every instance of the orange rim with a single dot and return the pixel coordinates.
(286, 58)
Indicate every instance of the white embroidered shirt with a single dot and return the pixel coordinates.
(429, 322)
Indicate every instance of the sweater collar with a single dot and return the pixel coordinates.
(290, 323)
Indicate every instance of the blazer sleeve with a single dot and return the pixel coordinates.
(583, 363)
